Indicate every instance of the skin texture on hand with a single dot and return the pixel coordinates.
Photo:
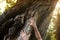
(33, 24)
(24, 35)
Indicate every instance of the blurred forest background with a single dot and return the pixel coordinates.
(55, 20)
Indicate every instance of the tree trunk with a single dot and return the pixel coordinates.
(22, 12)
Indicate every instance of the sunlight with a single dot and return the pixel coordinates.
(58, 4)
(14, 1)
(52, 25)
(55, 12)
(2, 6)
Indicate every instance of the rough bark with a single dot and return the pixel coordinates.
(39, 9)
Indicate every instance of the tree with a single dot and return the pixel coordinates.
(19, 16)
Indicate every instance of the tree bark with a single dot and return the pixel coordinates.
(39, 9)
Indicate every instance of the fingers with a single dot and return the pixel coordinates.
(24, 35)
(21, 31)
(28, 35)
(31, 20)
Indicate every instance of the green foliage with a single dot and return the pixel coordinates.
(48, 36)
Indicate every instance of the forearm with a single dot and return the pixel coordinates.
(33, 24)
(38, 36)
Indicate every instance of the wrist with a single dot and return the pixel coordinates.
(35, 27)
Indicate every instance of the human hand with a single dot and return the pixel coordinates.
(32, 22)
(24, 35)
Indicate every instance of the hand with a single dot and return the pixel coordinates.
(32, 22)
(24, 35)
